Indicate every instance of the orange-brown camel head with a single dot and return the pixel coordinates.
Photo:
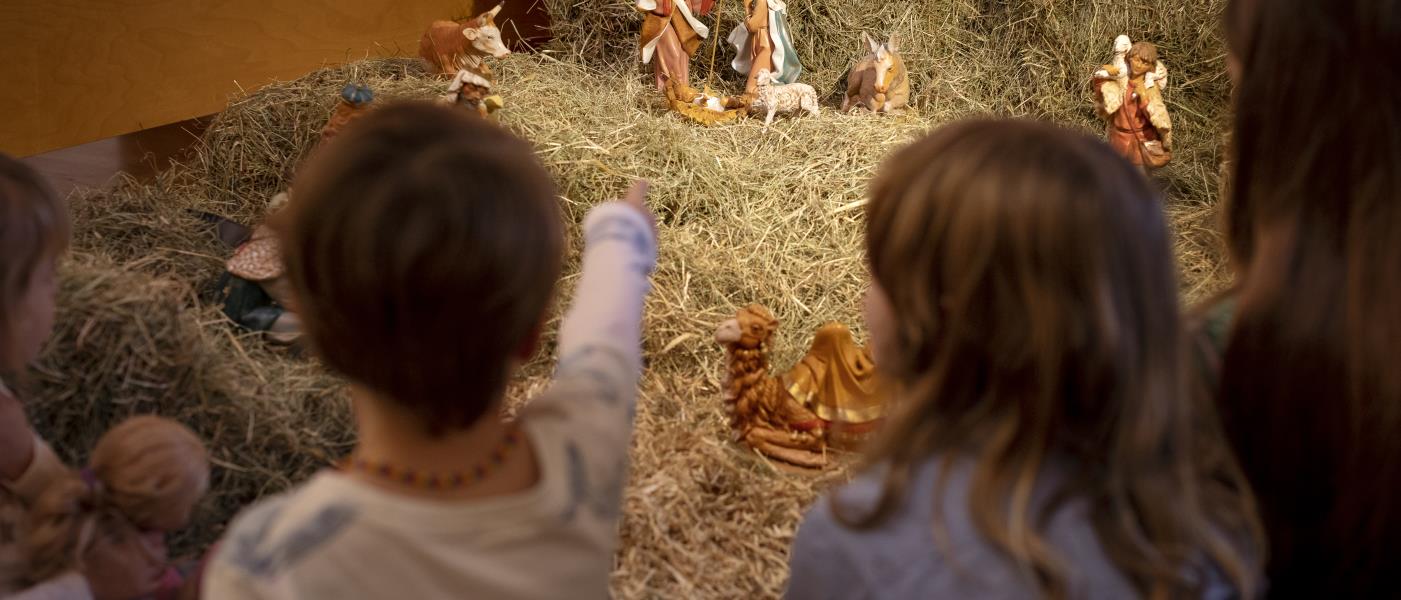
(752, 327)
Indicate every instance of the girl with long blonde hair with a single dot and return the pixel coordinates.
(1024, 306)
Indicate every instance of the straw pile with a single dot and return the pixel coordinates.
(746, 217)
(130, 343)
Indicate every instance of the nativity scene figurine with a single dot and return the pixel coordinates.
(1129, 97)
(772, 97)
(763, 43)
(256, 292)
(671, 36)
(830, 398)
(452, 46)
(355, 102)
(878, 82)
(461, 49)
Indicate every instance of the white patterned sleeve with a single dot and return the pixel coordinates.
(589, 409)
(603, 327)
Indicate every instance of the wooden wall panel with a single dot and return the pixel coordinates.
(73, 71)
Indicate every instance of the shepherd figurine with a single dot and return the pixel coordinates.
(1131, 103)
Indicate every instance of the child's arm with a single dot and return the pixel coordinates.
(27, 464)
(605, 318)
(44, 467)
(30, 464)
(587, 414)
(16, 439)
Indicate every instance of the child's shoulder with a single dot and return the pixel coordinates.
(277, 532)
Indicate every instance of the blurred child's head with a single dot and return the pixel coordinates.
(144, 479)
(33, 233)
(1025, 305)
(1013, 254)
(424, 245)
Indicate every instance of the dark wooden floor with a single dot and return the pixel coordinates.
(141, 154)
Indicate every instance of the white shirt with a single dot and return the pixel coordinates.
(336, 537)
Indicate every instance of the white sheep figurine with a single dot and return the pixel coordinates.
(773, 97)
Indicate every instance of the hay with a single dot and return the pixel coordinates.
(745, 217)
(969, 57)
(129, 343)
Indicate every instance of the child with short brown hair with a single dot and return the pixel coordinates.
(423, 245)
(1024, 306)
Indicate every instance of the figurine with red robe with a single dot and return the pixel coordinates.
(671, 35)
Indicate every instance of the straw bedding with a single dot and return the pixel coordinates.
(746, 217)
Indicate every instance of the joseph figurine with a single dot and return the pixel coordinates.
(762, 43)
(671, 35)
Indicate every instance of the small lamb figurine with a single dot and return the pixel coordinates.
(773, 97)
(1118, 67)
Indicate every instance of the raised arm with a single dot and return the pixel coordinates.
(620, 251)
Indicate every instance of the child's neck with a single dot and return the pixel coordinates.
(390, 436)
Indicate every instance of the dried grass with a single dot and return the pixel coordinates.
(746, 217)
(130, 343)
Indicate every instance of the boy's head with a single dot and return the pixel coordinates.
(33, 233)
(423, 246)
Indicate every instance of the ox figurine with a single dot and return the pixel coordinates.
(451, 46)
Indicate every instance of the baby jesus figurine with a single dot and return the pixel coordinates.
(472, 91)
(1129, 97)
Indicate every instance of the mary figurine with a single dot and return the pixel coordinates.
(762, 43)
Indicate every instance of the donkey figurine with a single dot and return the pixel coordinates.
(878, 81)
(450, 46)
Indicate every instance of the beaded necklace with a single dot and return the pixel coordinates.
(438, 481)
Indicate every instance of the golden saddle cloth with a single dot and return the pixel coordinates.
(837, 380)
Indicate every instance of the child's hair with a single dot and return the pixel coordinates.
(424, 245)
(1035, 315)
(1310, 390)
(33, 229)
(146, 474)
